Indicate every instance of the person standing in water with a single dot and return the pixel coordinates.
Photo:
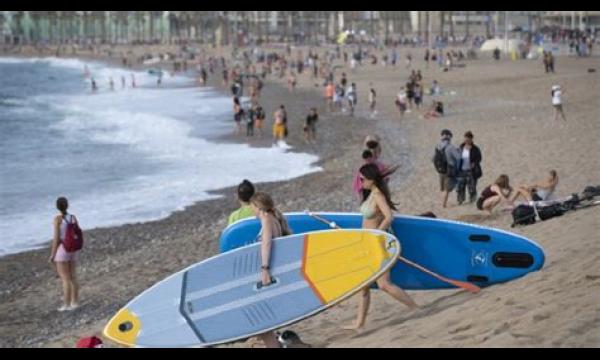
(111, 83)
(122, 82)
(94, 85)
(377, 209)
(273, 225)
(64, 261)
(133, 81)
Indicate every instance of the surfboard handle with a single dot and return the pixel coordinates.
(461, 284)
(259, 285)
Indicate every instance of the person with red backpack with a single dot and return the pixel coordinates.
(67, 242)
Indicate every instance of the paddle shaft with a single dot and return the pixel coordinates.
(461, 284)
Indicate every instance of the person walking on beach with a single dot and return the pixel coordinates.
(278, 126)
(310, 126)
(401, 101)
(292, 82)
(329, 92)
(238, 113)
(352, 98)
(245, 191)
(557, 102)
(470, 169)
(250, 117)
(259, 119)
(446, 159)
(372, 101)
(273, 225)
(377, 209)
(64, 261)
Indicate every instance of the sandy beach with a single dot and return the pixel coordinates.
(506, 104)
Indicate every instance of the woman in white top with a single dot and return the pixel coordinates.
(64, 261)
(557, 102)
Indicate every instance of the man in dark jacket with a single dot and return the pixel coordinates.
(469, 169)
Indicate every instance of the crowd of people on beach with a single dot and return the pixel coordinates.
(458, 167)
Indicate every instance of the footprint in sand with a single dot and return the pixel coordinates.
(460, 329)
(541, 316)
(501, 328)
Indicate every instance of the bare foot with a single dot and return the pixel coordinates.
(354, 327)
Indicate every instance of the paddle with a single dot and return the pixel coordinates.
(461, 284)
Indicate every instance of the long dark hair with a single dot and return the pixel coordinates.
(371, 172)
(62, 204)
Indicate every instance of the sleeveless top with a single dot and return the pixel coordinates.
(367, 208)
(487, 193)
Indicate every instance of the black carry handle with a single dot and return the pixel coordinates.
(260, 285)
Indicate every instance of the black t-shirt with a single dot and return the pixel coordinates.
(312, 119)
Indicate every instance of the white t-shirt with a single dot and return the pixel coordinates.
(466, 163)
(556, 97)
(402, 97)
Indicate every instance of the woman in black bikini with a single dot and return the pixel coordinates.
(494, 194)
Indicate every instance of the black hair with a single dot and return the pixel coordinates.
(469, 135)
(245, 190)
(372, 144)
(371, 172)
(62, 204)
(367, 154)
(236, 100)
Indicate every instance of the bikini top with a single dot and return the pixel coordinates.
(367, 209)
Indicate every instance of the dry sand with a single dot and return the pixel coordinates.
(505, 104)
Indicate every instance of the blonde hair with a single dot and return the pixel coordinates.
(502, 182)
(265, 203)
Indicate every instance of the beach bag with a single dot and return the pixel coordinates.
(523, 215)
(590, 192)
(548, 212)
(439, 161)
(73, 236)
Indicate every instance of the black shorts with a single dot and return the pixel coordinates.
(535, 197)
(480, 203)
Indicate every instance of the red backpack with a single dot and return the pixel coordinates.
(73, 236)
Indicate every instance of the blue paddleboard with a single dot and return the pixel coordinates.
(461, 251)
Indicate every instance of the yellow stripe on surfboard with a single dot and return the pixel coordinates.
(337, 262)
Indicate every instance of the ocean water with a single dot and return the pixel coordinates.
(121, 156)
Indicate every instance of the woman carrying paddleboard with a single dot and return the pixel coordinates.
(273, 225)
(377, 209)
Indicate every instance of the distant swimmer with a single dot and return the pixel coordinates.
(94, 85)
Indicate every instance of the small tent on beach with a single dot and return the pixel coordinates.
(513, 45)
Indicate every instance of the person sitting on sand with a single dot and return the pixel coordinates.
(492, 195)
(436, 110)
(245, 191)
(377, 209)
(273, 225)
(63, 260)
(539, 191)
